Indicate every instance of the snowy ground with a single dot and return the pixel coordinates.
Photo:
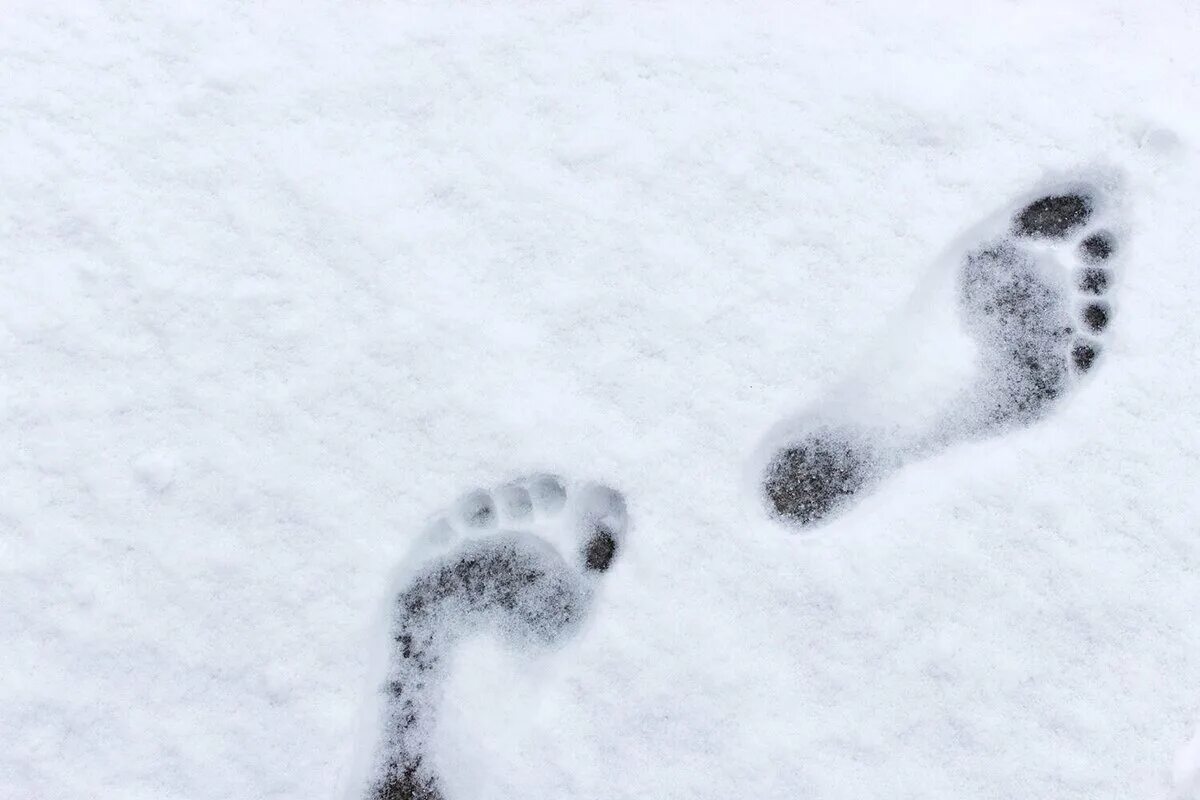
(279, 280)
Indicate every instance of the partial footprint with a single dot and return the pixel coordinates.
(1008, 322)
(1185, 773)
(523, 559)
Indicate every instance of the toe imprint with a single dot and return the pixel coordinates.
(514, 502)
(600, 550)
(1092, 280)
(536, 592)
(478, 509)
(1095, 317)
(1083, 355)
(1096, 248)
(1054, 216)
(547, 493)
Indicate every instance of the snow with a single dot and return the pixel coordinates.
(281, 280)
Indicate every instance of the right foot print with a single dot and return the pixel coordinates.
(1009, 322)
(487, 561)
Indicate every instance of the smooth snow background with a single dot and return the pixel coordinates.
(278, 280)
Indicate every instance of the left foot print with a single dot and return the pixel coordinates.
(489, 560)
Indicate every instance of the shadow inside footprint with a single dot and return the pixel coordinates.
(1097, 248)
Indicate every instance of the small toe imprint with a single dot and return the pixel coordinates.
(600, 549)
(514, 502)
(547, 493)
(1083, 355)
(1096, 248)
(1095, 317)
(477, 509)
(1092, 280)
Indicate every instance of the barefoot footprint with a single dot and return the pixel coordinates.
(488, 561)
(1008, 322)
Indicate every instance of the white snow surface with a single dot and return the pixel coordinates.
(279, 280)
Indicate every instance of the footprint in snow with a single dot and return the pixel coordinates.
(523, 559)
(1009, 321)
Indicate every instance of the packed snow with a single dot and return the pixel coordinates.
(300, 302)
